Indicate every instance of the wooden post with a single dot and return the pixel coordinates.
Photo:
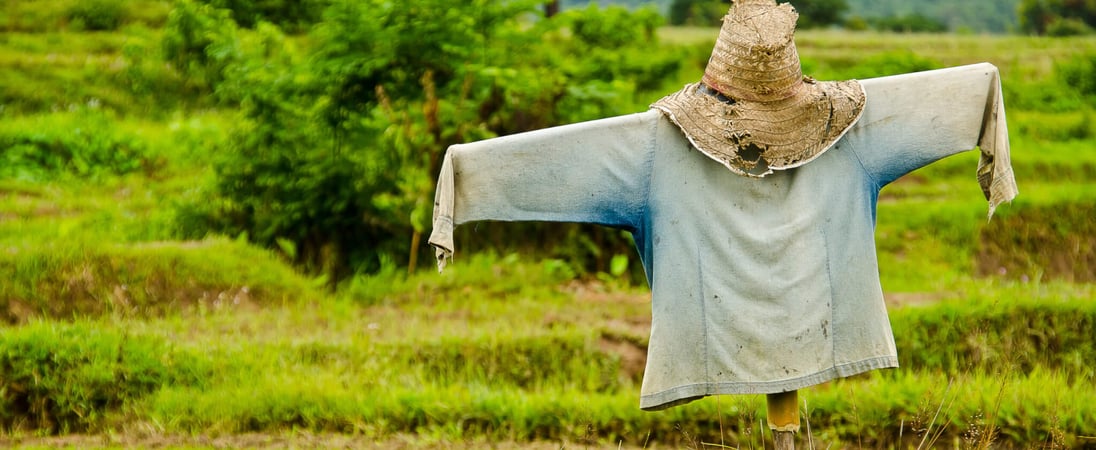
(783, 411)
(551, 8)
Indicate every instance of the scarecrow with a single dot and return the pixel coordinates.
(751, 196)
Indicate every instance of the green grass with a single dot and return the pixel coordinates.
(59, 70)
(831, 50)
(69, 15)
(227, 339)
(535, 364)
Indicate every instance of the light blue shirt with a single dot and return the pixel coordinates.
(758, 285)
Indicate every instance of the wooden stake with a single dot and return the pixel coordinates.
(783, 411)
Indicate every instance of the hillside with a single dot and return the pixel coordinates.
(997, 16)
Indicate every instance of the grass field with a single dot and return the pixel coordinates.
(118, 333)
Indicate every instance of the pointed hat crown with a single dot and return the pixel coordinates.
(753, 110)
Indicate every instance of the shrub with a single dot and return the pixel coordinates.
(97, 15)
(295, 15)
(1068, 26)
(334, 162)
(910, 23)
(613, 27)
(1079, 74)
(891, 63)
(200, 42)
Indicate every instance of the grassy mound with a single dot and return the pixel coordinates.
(142, 280)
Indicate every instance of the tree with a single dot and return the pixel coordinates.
(200, 43)
(1057, 16)
(335, 153)
(812, 13)
(293, 15)
(551, 8)
(820, 13)
(910, 23)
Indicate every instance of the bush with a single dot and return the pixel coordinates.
(812, 13)
(613, 27)
(200, 42)
(911, 23)
(893, 62)
(1061, 17)
(1068, 26)
(697, 12)
(1078, 74)
(292, 15)
(97, 15)
(334, 160)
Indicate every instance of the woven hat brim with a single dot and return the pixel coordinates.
(786, 134)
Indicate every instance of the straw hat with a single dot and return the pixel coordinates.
(753, 110)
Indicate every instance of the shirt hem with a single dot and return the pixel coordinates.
(688, 393)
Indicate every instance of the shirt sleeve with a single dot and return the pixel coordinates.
(590, 172)
(915, 119)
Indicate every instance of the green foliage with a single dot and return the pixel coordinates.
(1070, 88)
(499, 349)
(1043, 242)
(66, 378)
(315, 162)
(699, 13)
(819, 13)
(891, 63)
(992, 16)
(509, 350)
(200, 42)
(812, 13)
(613, 27)
(120, 71)
(1060, 126)
(1068, 26)
(524, 362)
(359, 132)
(1079, 74)
(1057, 17)
(293, 15)
(976, 334)
(97, 15)
(79, 278)
(912, 23)
(82, 143)
(620, 58)
(37, 16)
